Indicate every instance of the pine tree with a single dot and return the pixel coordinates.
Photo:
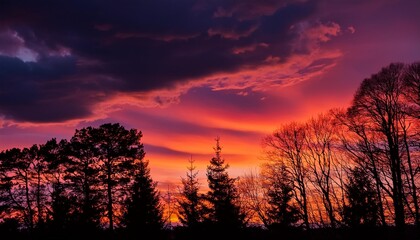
(84, 185)
(144, 213)
(54, 154)
(222, 196)
(190, 204)
(116, 148)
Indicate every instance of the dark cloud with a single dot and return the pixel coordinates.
(48, 90)
(87, 51)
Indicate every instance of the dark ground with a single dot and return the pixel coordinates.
(410, 233)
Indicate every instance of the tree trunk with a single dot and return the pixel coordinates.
(28, 202)
(413, 183)
(109, 193)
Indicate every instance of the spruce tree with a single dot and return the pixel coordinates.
(224, 211)
(363, 207)
(281, 212)
(143, 209)
(190, 205)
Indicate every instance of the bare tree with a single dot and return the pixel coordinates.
(285, 147)
(361, 146)
(319, 142)
(411, 84)
(253, 195)
(378, 102)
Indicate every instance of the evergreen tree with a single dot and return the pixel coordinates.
(222, 196)
(60, 209)
(54, 155)
(116, 148)
(17, 172)
(144, 213)
(190, 205)
(362, 208)
(281, 212)
(82, 175)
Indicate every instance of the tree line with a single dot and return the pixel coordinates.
(347, 168)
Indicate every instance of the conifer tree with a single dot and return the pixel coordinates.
(223, 194)
(116, 148)
(281, 212)
(190, 205)
(82, 177)
(362, 208)
(144, 213)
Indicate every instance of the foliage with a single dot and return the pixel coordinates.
(222, 196)
(362, 207)
(190, 204)
(144, 211)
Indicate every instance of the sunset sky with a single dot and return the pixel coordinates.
(186, 71)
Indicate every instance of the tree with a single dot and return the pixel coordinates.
(222, 196)
(281, 212)
(379, 102)
(190, 208)
(54, 154)
(360, 144)
(82, 172)
(285, 147)
(16, 185)
(411, 85)
(252, 188)
(116, 149)
(320, 157)
(362, 207)
(39, 166)
(144, 213)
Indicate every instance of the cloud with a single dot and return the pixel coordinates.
(11, 44)
(249, 9)
(310, 35)
(63, 61)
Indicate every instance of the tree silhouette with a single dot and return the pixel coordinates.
(16, 185)
(281, 213)
(82, 174)
(252, 188)
(285, 147)
(361, 146)
(411, 85)
(320, 158)
(362, 208)
(190, 211)
(225, 212)
(116, 148)
(54, 155)
(144, 213)
(378, 101)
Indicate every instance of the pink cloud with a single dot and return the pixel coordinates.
(310, 35)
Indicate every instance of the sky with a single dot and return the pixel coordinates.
(187, 71)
